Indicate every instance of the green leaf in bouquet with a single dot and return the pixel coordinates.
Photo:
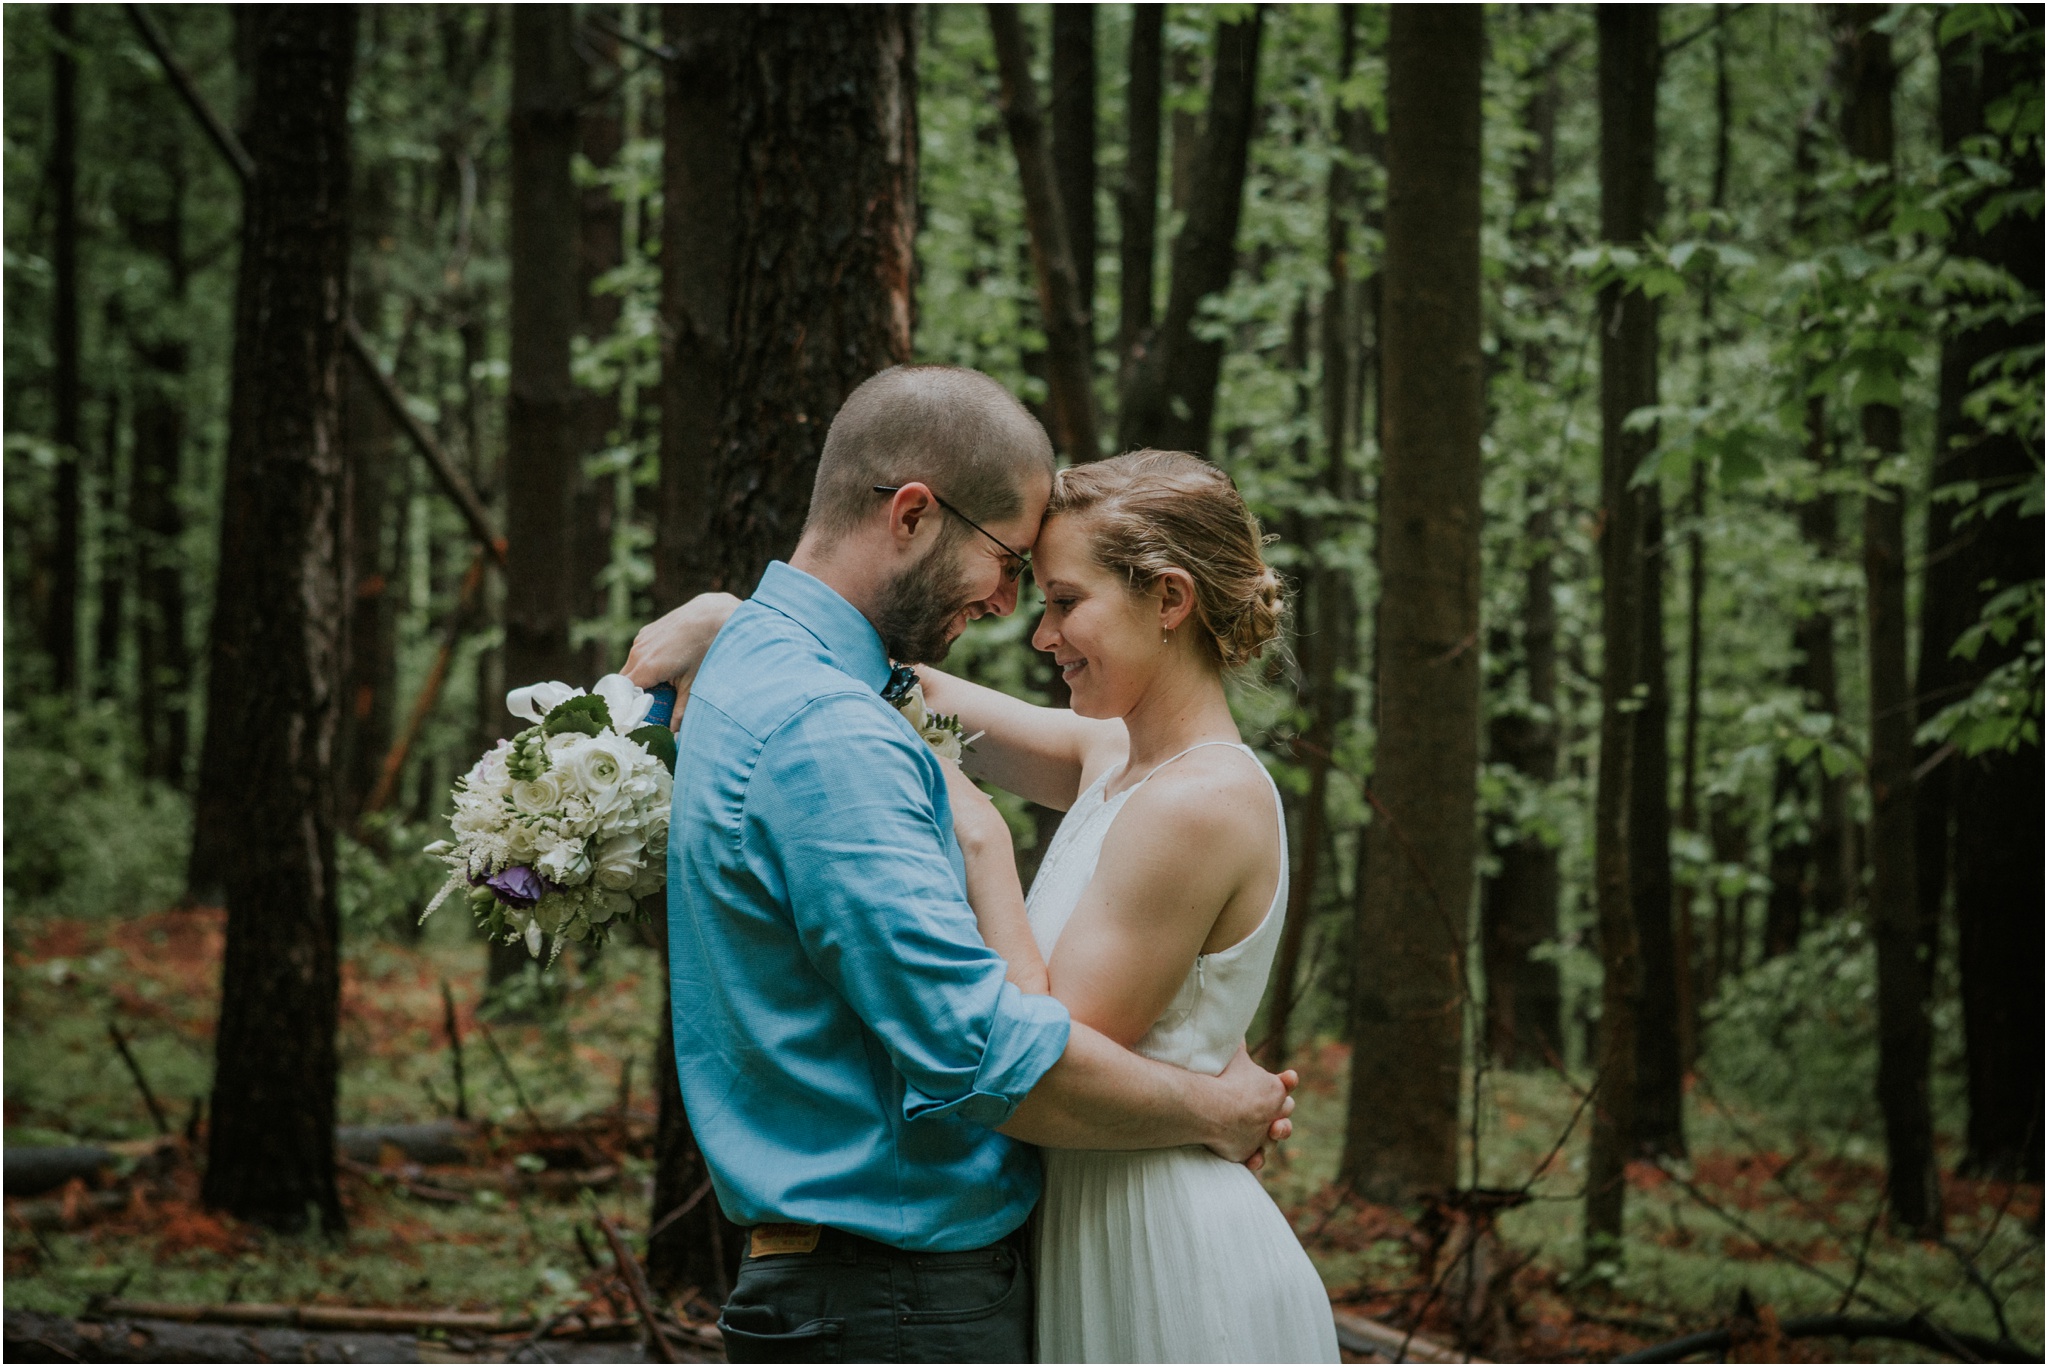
(659, 741)
(587, 715)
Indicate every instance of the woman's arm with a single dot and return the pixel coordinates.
(993, 889)
(1046, 754)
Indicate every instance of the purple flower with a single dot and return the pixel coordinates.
(518, 886)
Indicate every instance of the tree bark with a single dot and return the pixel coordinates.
(541, 474)
(1629, 60)
(1327, 600)
(1660, 1092)
(369, 444)
(700, 198)
(280, 606)
(1170, 400)
(111, 554)
(1401, 1136)
(62, 623)
(1997, 797)
(1072, 109)
(1518, 904)
(1903, 971)
(1061, 304)
(600, 248)
(775, 322)
(1138, 196)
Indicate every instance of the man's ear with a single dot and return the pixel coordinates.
(1176, 590)
(910, 507)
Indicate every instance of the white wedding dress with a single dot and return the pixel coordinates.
(1169, 1255)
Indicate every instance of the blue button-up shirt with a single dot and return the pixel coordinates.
(844, 1037)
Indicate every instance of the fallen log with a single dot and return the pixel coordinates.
(1915, 1329)
(36, 1337)
(331, 1317)
(1357, 1334)
(433, 1141)
(31, 1172)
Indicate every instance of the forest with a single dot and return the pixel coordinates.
(1645, 405)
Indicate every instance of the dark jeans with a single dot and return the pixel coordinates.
(854, 1300)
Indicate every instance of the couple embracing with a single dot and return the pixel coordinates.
(957, 1122)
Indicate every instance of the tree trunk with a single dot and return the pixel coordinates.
(1518, 904)
(1629, 60)
(1997, 796)
(62, 623)
(1903, 972)
(1327, 597)
(541, 474)
(278, 637)
(600, 248)
(700, 199)
(1072, 109)
(110, 557)
(163, 656)
(1660, 1092)
(1401, 1136)
(1061, 305)
(1138, 196)
(371, 458)
(1171, 398)
(774, 324)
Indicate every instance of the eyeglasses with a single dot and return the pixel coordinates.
(1020, 562)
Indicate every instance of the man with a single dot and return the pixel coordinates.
(857, 1071)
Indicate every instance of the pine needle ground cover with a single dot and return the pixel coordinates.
(1765, 1204)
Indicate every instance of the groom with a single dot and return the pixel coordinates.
(862, 1080)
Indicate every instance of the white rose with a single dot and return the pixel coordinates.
(913, 709)
(943, 740)
(598, 769)
(617, 865)
(538, 796)
(535, 701)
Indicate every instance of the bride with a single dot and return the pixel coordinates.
(1157, 907)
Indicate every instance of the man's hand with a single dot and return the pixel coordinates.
(977, 824)
(1250, 1110)
(669, 650)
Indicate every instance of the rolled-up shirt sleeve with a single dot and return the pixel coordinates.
(862, 829)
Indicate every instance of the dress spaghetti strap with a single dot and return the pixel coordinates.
(1203, 745)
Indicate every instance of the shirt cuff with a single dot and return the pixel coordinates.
(1026, 1037)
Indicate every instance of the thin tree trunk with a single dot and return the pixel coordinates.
(1998, 795)
(541, 472)
(822, 129)
(278, 637)
(1660, 1094)
(163, 656)
(1401, 1135)
(700, 198)
(1138, 196)
(600, 248)
(1061, 305)
(110, 558)
(1629, 60)
(369, 445)
(1328, 596)
(1903, 974)
(1518, 904)
(1071, 107)
(62, 623)
(1170, 400)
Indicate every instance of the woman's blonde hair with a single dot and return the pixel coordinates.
(1153, 511)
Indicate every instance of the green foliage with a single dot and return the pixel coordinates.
(87, 838)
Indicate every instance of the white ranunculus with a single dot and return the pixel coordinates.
(599, 769)
(535, 701)
(629, 706)
(538, 796)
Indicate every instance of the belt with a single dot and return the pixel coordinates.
(771, 1240)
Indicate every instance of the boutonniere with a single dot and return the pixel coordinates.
(940, 731)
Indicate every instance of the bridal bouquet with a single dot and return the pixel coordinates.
(559, 830)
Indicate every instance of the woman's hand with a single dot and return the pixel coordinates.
(670, 649)
(992, 887)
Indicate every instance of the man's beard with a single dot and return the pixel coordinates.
(919, 604)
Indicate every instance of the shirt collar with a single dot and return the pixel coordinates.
(848, 637)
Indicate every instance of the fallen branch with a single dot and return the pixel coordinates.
(636, 1287)
(1357, 1334)
(1915, 1329)
(156, 1111)
(505, 1067)
(368, 1318)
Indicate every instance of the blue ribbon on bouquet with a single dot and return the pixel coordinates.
(664, 695)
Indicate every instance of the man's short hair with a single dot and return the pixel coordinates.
(949, 427)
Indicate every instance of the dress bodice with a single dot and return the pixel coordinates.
(1206, 1020)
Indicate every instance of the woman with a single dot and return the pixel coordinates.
(1157, 908)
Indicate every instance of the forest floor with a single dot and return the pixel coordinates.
(1758, 1211)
